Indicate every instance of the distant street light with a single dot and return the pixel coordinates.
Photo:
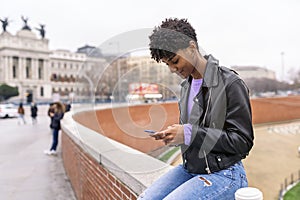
(118, 68)
(91, 84)
(282, 65)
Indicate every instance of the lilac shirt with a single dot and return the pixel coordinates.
(195, 87)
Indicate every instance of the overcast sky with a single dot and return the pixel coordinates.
(237, 32)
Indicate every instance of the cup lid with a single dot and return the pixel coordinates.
(248, 193)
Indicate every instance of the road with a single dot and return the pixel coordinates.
(25, 171)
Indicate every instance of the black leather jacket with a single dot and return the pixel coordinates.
(55, 121)
(222, 132)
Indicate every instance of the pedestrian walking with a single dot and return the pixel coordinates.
(34, 111)
(215, 126)
(21, 113)
(56, 114)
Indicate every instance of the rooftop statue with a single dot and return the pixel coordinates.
(42, 30)
(4, 23)
(25, 27)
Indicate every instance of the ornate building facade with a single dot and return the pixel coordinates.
(26, 62)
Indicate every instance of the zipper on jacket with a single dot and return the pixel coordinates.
(204, 120)
(206, 162)
(207, 107)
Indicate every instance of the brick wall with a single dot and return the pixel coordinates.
(266, 110)
(89, 179)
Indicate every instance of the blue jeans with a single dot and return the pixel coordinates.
(180, 185)
(55, 139)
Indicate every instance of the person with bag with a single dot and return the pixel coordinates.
(56, 115)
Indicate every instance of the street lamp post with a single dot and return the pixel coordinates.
(118, 69)
(91, 86)
(119, 77)
(282, 65)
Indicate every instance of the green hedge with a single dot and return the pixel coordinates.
(293, 194)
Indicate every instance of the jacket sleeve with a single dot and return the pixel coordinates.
(236, 136)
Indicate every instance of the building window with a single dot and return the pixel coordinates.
(14, 71)
(66, 92)
(66, 78)
(72, 79)
(27, 72)
(42, 91)
(15, 67)
(40, 72)
(60, 91)
(41, 69)
(28, 68)
(53, 77)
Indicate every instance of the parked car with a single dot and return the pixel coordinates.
(8, 110)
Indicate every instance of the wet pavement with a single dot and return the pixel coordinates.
(25, 171)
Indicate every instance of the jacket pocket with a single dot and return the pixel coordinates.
(219, 161)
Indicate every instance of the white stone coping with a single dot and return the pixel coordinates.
(134, 168)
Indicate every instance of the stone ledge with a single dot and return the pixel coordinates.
(134, 168)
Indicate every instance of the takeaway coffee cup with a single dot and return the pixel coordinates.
(248, 193)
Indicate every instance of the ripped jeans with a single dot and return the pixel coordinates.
(180, 185)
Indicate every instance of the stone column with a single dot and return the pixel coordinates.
(35, 68)
(21, 68)
(10, 64)
(46, 68)
(1, 69)
(6, 68)
(22, 75)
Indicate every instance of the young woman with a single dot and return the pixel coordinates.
(215, 128)
(56, 114)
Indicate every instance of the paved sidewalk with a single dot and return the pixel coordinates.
(25, 171)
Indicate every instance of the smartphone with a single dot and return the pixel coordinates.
(151, 132)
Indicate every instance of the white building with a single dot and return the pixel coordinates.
(149, 71)
(24, 63)
(64, 69)
(27, 63)
(73, 74)
(247, 72)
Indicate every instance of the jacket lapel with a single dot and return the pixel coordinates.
(197, 109)
(210, 79)
(185, 91)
